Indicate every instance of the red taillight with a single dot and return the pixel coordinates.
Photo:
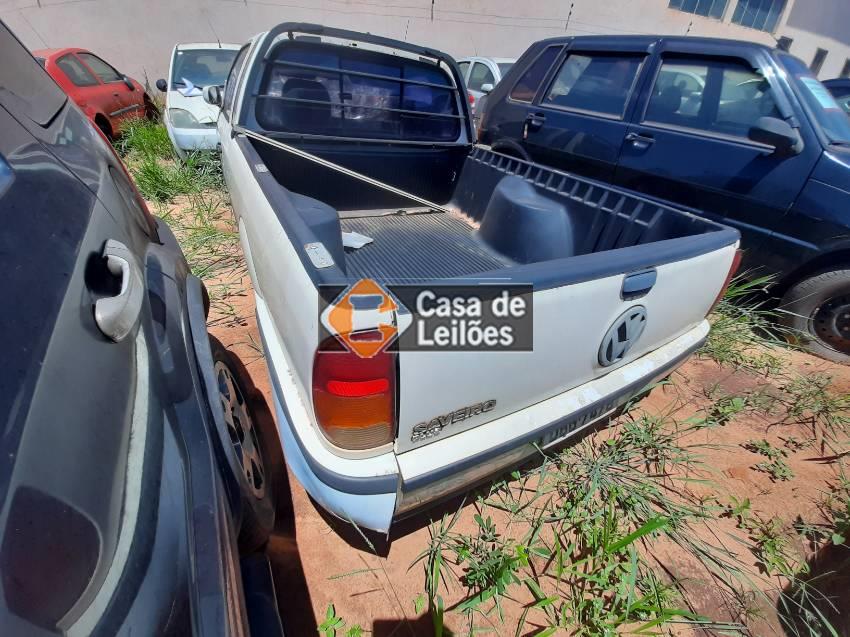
(733, 269)
(354, 398)
(471, 99)
(139, 199)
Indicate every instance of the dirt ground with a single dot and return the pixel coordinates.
(319, 561)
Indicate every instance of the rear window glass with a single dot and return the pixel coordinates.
(25, 87)
(599, 83)
(312, 89)
(526, 88)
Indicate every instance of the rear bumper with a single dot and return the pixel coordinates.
(373, 492)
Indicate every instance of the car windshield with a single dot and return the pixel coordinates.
(202, 67)
(830, 117)
(504, 67)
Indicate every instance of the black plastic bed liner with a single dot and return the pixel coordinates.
(411, 248)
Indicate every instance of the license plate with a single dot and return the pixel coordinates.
(579, 422)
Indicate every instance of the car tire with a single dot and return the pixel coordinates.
(817, 309)
(251, 449)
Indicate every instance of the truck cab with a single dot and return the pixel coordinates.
(742, 133)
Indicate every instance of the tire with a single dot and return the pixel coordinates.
(250, 447)
(818, 310)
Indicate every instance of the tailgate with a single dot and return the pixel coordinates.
(570, 323)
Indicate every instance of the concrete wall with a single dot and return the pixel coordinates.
(137, 35)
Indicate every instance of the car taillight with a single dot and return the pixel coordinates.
(733, 269)
(138, 196)
(471, 99)
(354, 398)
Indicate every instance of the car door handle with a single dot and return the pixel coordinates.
(116, 316)
(535, 120)
(640, 140)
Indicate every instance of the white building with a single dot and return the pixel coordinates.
(137, 35)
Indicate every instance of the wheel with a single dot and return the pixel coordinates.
(818, 309)
(250, 448)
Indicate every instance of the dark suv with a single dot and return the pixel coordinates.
(737, 130)
(133, 496)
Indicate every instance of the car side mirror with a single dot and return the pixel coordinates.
(778, 133)
(128, 82)
(212, 95)
(486, 88)
(162, 85)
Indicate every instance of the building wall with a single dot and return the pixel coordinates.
(137, 35)
(820, 24)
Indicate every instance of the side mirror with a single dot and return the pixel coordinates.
(778, 133)
(212, 95)
(162, 85)
(128, 82)
(486, 88)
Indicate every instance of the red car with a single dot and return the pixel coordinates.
(106, 96)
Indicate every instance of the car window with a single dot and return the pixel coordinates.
(526, 88)
(25, 88)
(356, 93)
(230, 83)
(76, 71)
(600, 83)
(827, 114)
(464, 67)
(481, 75)
(504, 67)
(724, 97)
(202, 67)
(103, 70)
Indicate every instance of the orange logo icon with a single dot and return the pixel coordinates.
(363, 318)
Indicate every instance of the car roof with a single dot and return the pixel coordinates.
(647, 40)
(839, 81)
(189, 46)
(51, 54)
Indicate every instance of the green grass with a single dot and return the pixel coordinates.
(744, 332)
(144, 138)
(190, 197)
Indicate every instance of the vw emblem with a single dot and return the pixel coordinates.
(622, 335)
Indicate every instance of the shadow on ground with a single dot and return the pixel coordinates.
(293, 596)
(829, 575)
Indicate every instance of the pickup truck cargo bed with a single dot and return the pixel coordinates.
(418, 247)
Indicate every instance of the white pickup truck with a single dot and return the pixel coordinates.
(362, 201)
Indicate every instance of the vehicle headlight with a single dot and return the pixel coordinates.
(183, 119)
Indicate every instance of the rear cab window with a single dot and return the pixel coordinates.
(527, 86)
(721, 97)
(25, 88)
(599, 83)
(311, 88)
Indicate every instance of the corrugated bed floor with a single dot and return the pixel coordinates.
(418, 247)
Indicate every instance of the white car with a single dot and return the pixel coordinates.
(481, 75)
(527, 303)
(191, 121)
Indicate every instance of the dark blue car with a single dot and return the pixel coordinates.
(737, 130)
(133, 492)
